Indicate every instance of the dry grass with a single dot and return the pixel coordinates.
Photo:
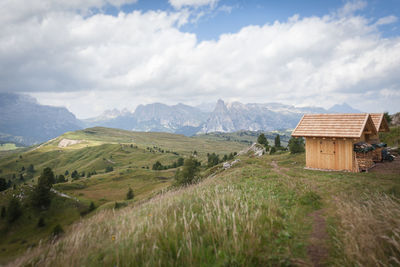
(371, 230)
(254, 214)
(214, 223)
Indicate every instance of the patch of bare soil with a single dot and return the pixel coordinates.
(387, 167)
(317, 250)
(279, 169)
(68, 142)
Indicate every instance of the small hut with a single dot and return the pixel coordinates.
(381, 125)
(330, 139)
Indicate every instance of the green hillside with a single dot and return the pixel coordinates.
(265, 211)
(247, 137)
(391, 138)
(131, 156)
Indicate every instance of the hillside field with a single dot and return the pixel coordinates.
(131, 156)
(263, 211)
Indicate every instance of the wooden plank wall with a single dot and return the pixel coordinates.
(330, 154)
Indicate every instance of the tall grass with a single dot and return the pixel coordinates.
(253, 222)
(371, 230)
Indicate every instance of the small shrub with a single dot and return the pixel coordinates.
(130, 194)
(57, 231)
(118, 205)
(75, 174)
(92, 207)
(109, 169)
(157, 166)
(41, 222)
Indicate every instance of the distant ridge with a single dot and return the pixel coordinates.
(343, 108)
(188, 120)
(24, 120)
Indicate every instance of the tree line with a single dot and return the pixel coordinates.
(295, 145)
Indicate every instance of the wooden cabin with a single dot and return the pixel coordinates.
(381, 125)
(330, 139)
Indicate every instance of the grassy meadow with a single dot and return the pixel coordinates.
(263, 211)
(130, 154)
(260, 212)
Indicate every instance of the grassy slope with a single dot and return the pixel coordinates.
(101, 147)
(252, 214)
(391, 138)
(8, 146)
(22, 234)
(247, 137)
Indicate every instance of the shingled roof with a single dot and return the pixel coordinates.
(380, 122)
(334, 125)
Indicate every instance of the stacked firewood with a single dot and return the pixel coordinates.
(377, 154)
(364, 160)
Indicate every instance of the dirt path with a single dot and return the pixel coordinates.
(278, 169)
(317, 249)
(387, 167)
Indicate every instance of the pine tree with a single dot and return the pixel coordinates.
(277, 141)
(157, 166)
(188, 174)
(61, 179)
(212, 159)
(388, 118)
(3, 212)
(130, 194)
(14, 210)
(263, 141)
(180, 161)
(75, 175)
(42, 196)
(296, 145)
(3, 184)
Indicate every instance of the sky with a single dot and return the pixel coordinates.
(95, 55)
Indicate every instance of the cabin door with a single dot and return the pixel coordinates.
(327, 154)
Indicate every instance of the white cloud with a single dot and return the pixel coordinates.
(94, 63)
(352, 6)
(178, 4)
(12, 11)
(386, 20)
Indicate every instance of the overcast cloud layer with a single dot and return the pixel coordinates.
(69, 55)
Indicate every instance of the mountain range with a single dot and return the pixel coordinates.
(24, 120)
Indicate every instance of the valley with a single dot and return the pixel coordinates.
(131, 156)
